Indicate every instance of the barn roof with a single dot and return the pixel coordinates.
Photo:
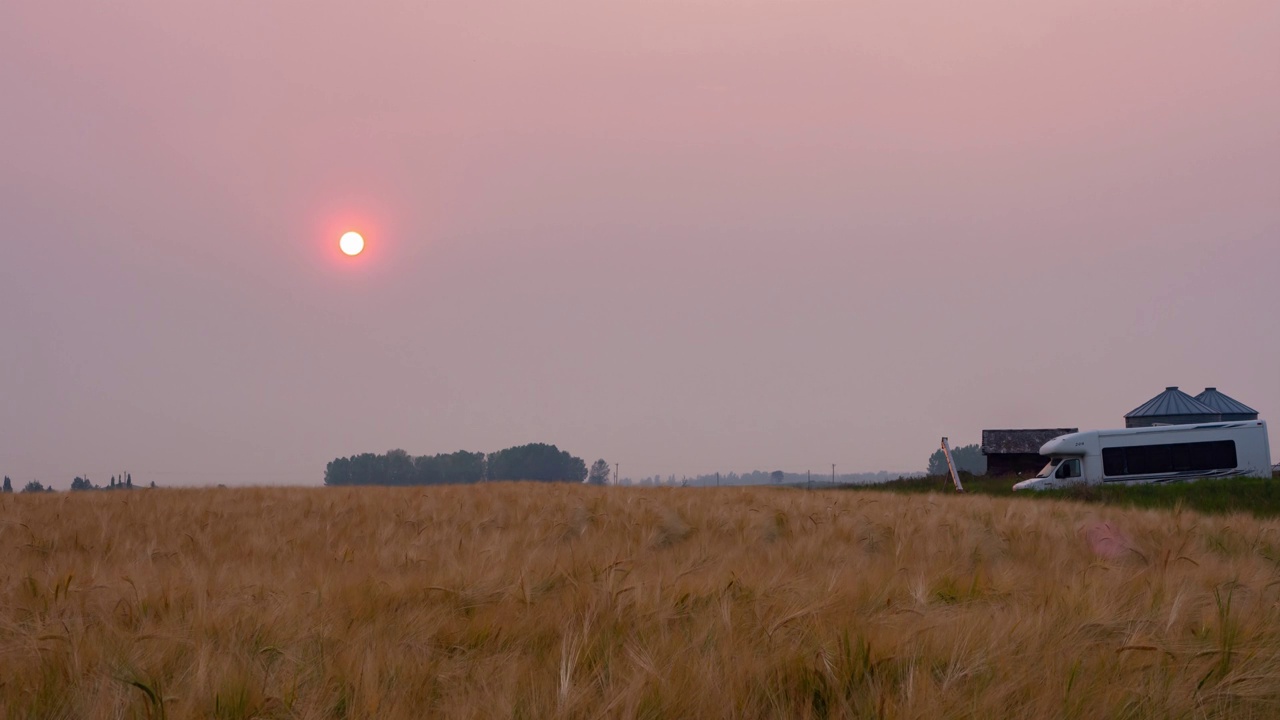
(1007, 442)
(1171, 402)
(1224, 404)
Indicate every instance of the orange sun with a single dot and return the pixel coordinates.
(351, 243)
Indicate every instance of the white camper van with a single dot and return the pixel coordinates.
(1159, 454)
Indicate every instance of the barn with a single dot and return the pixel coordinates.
(1017, 452)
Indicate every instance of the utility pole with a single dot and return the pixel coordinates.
(808, 478)
(833, 473)
(717, 479)
(617, 479)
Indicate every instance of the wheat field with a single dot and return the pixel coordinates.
(553, 601)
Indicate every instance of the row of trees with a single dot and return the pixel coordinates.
(31, 487)
(125, 482)
(397, 467)
(775, 477)
(536, 461)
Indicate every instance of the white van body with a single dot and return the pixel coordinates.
(1160, 454)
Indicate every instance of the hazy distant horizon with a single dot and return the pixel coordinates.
(684, 237)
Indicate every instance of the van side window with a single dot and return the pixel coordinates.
(1169, 458)
(1113, 461)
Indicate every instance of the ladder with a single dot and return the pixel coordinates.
(955, 477)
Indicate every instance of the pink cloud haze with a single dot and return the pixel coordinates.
(684, 236)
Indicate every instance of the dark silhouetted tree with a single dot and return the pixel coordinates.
(34, 487)
(599, 473)
(398, 468)
(81, 483)
(456, 468)
(536, 461)
(777, 476)
(968, 459)
(8, 484)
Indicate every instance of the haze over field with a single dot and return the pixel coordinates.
(684, 236)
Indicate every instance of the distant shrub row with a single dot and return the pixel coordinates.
(80, 483)
(536, 461)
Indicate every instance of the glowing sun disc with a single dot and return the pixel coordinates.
(351, 243)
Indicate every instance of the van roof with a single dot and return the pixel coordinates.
(1060, 443)
(1177, 428)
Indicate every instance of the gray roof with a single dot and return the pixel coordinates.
(1224, 404)
(1171, 402)
(1006, 442)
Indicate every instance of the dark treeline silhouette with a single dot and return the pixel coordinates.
(536, 461)
(398, 467)
(124, 483)
(968, 458)
(774, 477)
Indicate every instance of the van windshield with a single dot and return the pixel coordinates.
(1048, 469)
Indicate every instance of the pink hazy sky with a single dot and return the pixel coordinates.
(683, 236)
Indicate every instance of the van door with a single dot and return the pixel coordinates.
(1069, 469)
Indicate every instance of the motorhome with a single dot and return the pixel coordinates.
(1160, 454)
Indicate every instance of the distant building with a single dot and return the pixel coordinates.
(1017, 452)
(1229, 408)
(1172, 407)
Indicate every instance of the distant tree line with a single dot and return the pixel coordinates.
(773, 477)
(397, 467)
(124, 482)
(31, 487)
(536, 461)
(968, 458)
